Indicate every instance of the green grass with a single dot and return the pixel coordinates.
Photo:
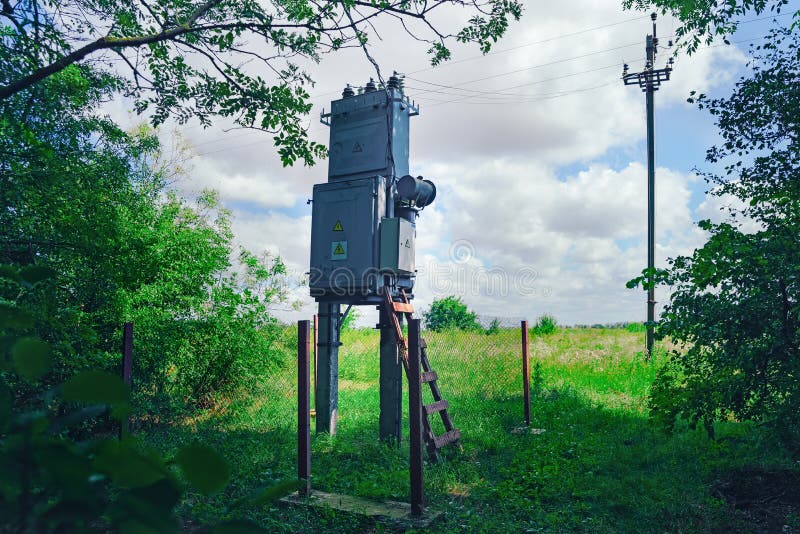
(593, 463)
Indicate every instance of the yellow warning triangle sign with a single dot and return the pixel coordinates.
(338, 227)
(338, 249)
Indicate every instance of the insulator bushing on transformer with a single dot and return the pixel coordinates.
(348, 91)
(394, 82)
(417, 191)
(370, 87)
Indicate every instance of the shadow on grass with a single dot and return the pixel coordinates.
(584, 468)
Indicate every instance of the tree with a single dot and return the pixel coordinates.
(450, 313)
(735, 304)
(88, 201)
(703, 21)
(233, 58)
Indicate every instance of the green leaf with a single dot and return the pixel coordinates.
(13, 317)
(77, 417)
(9, 273)
(6, 404)
(274, 492)
(31, 357)
(36, 273)
(203, 467)
(128, 467)
(95, 387)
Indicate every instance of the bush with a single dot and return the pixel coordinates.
(546, 324)
(57, 477)
(450, 313)
(636, 328)
(494, 327)
(349, 322)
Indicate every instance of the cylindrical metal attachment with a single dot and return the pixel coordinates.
(418, 191)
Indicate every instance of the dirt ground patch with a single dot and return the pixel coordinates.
(768, 500)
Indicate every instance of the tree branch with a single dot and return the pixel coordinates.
(102, 44)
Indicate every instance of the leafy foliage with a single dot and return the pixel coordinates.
(349, 322)
(735, 304)
(703, 21)
(238, 59)
(546, 324)
(88, 202)
(636, 327)
(49, 482)
(450, 313)
(493, 328)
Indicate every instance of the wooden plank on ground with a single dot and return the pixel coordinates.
(398, 513)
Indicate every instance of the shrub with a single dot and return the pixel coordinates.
(546, 324)
(450, 313)
(494, 327)
(349, 322)
(53, 481)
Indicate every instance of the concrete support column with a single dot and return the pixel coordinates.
(326, 398)
(391, 382)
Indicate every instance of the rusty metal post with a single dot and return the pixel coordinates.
(415, 417)
(316, 352)
(526, 374)
(303, 405)
(127, 370)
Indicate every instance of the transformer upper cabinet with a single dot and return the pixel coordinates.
(352, 256)
(366, 137)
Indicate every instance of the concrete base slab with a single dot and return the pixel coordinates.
(398, 513)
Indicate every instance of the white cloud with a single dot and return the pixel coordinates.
(495, 147)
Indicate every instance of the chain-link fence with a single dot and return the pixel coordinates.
(479, 374)
(479, 371)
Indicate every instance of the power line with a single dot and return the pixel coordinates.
(533, 43)
(555, 38)
(500, 92)
(534, 98)
(516, 71)
(504, 50)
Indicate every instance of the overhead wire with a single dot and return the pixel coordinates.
(502, 93)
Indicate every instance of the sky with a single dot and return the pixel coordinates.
(538, 153)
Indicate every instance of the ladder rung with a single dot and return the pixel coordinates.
(403, 307)
(447, 438)
(430, 376)
(437, 406)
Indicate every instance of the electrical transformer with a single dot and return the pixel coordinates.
(363, 233)
(363, 227)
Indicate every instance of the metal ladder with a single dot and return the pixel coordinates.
(429, 376)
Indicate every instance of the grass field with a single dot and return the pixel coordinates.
(592, 462)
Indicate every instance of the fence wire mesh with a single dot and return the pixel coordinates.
(479, 374)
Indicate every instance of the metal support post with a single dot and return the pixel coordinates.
(303, 405)
(526, 374)
(415, 418)
(127, 370)
(326, 398)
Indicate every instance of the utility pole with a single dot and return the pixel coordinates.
(649, 80)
